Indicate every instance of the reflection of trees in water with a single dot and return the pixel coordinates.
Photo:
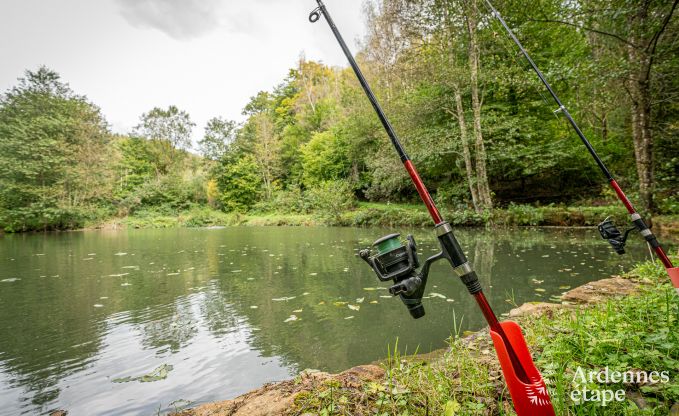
(484, 259)
(172, 331)
(47, 328)
(51, 330)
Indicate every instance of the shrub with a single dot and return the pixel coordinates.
(239, 183)
(329, 199)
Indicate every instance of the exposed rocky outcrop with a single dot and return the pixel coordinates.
(276, 398)
(598, 291)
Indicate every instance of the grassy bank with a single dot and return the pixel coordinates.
(386, 215)
(639, 333)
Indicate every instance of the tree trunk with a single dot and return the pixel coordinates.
(480, 149)
(464, 137)
(640, 94)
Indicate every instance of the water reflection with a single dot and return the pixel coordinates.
(78, 310)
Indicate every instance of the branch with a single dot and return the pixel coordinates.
(589, 29)
(656, 37)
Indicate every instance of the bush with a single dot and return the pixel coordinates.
(289, 201)
(523, 215)
(330, 199)
(239, 183)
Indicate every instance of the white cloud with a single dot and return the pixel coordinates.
(180, 19)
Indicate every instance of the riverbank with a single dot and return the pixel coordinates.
(623, 323)
(388, 215)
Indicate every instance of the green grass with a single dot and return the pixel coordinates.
(371, 214)
(639, 332)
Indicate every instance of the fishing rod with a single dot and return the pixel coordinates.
(607, 229)
(396, 260)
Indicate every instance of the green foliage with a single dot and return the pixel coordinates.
(239, 183)
(324, 158)
(58, 169)
(219, 134)
(331, 198)
(171, 125)
(52, 170)
(637, 332)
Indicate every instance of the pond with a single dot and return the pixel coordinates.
(217, 312)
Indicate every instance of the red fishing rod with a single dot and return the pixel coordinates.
(394, 260)
(607, 229)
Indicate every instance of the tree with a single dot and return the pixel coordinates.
(219, 134)
(483, 190)
(632, 33)
(324, 158)
(52, 154)
(172, 125)
(171, 130)
(239, 183)
(266, 152)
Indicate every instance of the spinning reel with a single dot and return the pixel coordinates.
(393, 259)
(612, 234)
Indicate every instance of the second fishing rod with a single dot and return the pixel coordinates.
(607, 229)
(396, 260)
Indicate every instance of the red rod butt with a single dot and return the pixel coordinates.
(674, 277)
(529, 399)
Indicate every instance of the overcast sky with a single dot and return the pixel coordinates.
(205, 56)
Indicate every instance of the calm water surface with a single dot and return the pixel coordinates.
(80, 309)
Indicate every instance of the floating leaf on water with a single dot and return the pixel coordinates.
(103, 297)
(298, 311)
(338, 303)
(385, 296)
(537, 282)
(173, 274)
(254, 307)
(354, 307)
(283, 299)
(360, 300)
(374, 301)
(118, 275)
(313, 274)
(159, 373)
(126, 284)
(291, 318)
(539, 289)
(130, 267)
(236, 271)
(437, 295)
(564, 287)
(306, 294)
(10, 280)
(546, 255)
(120, 254)
(369, 289)
(350, 317)
(321, 302)
(250, 278)
(98, 305)
(88, 258)
(450, 300)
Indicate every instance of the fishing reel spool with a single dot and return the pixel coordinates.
(391, 259)
(612, 234)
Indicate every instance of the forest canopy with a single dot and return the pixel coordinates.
(470, 112)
